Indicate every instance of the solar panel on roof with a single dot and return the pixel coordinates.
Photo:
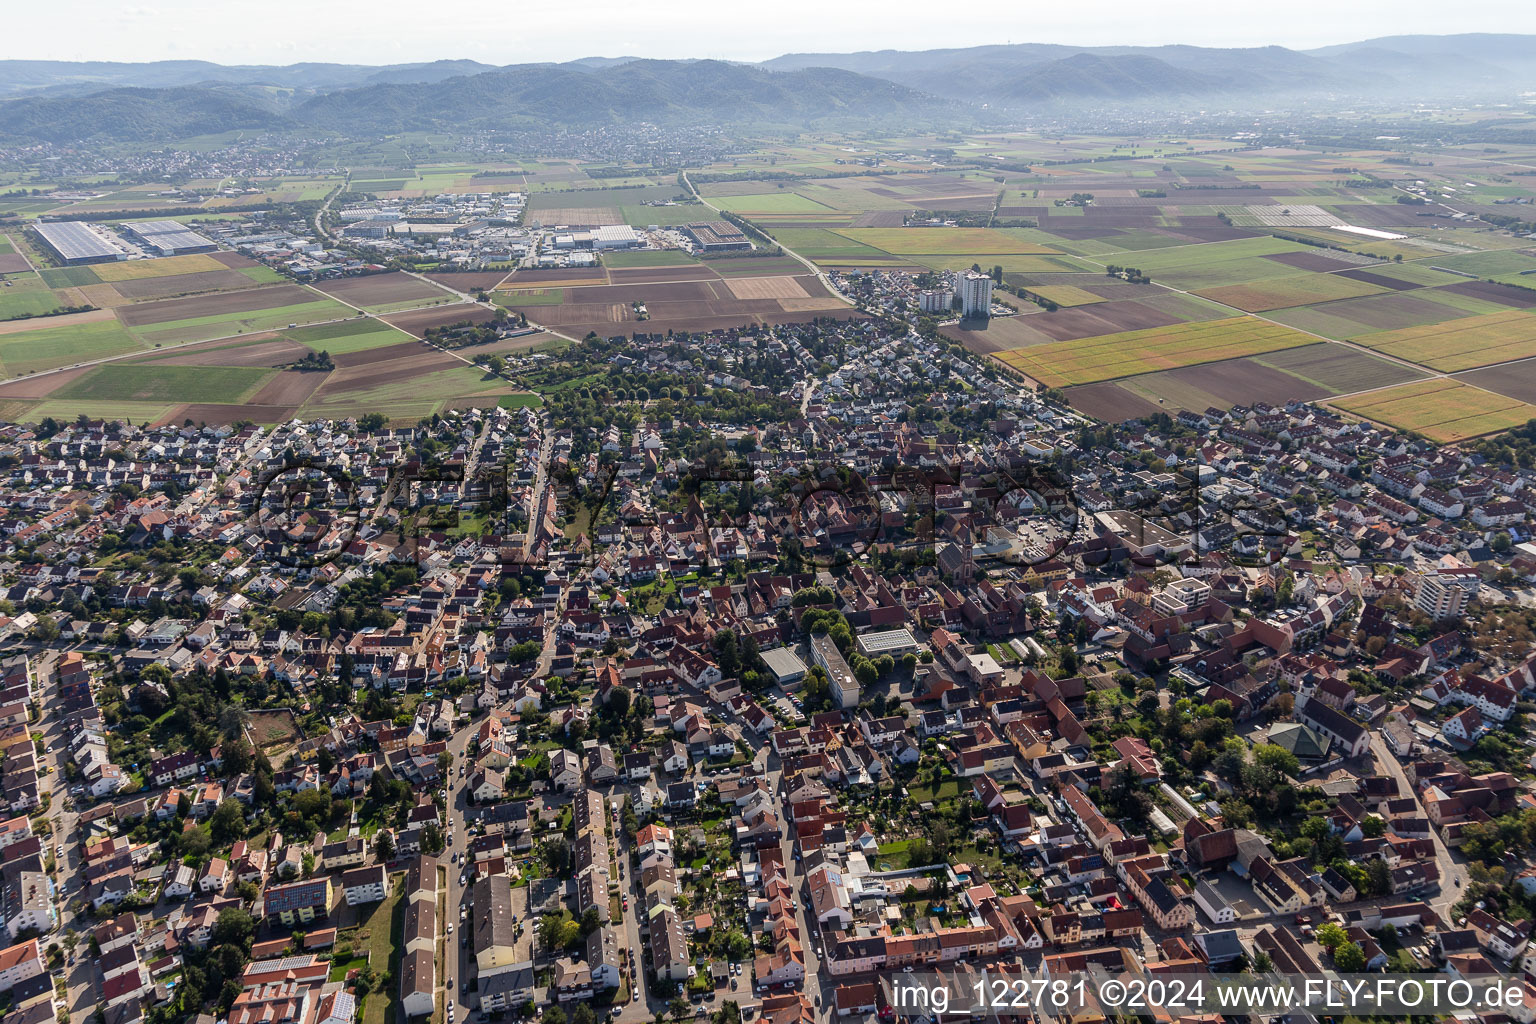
(76, 240)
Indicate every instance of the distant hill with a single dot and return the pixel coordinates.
(652, 90)
(165, 100)
(640, 90)
(134, 115)
(1085, 75)
(1407, 65)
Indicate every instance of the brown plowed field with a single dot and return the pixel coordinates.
(580, 313)
(1513, 380)
(755, 266)
(418, 320)
(555, 278)
(1075, 232)
(1490, 291)
(378, 289)
(168, 310)
(1397, 284)
(471, 281)
(212, 413)
(183, 284)
(275, 352)
(291, 387)
(1239, 381)
(362, 377)
(40, 385)
(576, 216)
(658, 275)
(1309, 261)
(364, 357)
(13, 263)
(1109, 402)
(678, 291)
(1100, 318)
(233, 260)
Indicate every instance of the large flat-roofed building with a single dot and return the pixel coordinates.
(716, 236)
(77, 243)
(614, 236)
(894, 642)
(845, 688)
(168, 237)
(787, 669)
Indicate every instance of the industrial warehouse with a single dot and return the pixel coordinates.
(167, 238)
(77, 243)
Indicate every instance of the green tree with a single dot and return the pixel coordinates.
(1330, 936)
(1349, 958)
(1277, 758)
(234, 927)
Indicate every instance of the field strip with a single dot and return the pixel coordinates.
(1260, 316)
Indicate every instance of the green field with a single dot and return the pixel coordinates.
(1508, 267)
(1210, 264)
(948, 241)
(531, 297)
(823, 246)
(69, 277)
(132, 412)
(413, 398)
(222, 325)
(350, 336)
(1109, 356)
(51, 347)
(666, 216)
(159, 382)
(648, 258)
(25, 295)
(770, 202)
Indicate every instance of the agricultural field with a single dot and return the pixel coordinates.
(136, 270)
(385, 293)
(358, 335)
(50, 347)
(690, 297)
(1460, 344)
(25, 295)
(1306, 373)
(1513, 380)
(830, 248)
(947, 241)
(1443, 410)
(649, 258)
(1294, 290)
(157, 382)
(1509, 266)
(769, 203)
(223, 314)
(1133, 352)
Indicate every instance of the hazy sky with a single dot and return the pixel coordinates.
(508, 31)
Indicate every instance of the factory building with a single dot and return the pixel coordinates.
(716, 236)
(77, 243)
(167, 238)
